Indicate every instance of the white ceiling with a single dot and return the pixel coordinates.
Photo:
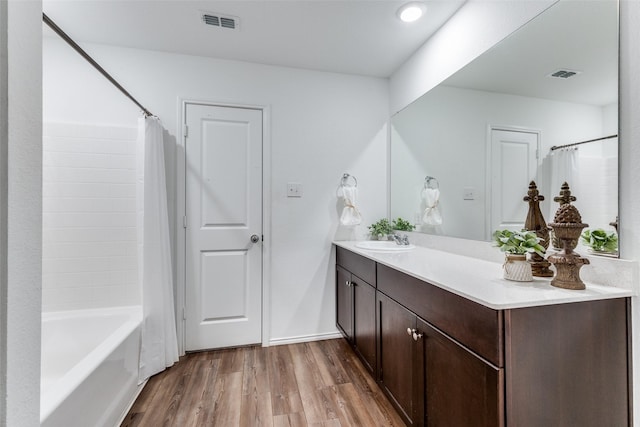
(346, 36)
(574, 35)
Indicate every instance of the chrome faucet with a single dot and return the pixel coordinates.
(404, 240)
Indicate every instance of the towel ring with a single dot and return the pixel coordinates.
(345, 180)
(431, 182)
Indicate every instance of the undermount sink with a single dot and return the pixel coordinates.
(383, 246)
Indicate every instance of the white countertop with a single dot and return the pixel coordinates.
(481, 281)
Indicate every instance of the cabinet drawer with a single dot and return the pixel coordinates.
(477, 327)
(362, 267)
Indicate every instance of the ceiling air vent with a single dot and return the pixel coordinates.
(564, 74)
(217, 20)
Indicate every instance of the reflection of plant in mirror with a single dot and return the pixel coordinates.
(599, 240)
(382, 227)
(402, 225)
(518, 242)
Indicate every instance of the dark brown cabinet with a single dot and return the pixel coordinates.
(460, 389)
(398, 371)
(364, 335)
(356, 306)
(344, 303)
(431, 379)
(444, 360)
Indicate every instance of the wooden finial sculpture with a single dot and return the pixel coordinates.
(565, 198)
(535, 222)
(567, 226)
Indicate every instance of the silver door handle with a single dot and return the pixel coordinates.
(255, 238)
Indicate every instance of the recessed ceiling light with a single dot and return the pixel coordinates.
(411, 12)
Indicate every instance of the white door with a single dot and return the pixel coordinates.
(223, 151)
(513, 165)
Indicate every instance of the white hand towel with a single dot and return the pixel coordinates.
(432, 215)
(350, 213)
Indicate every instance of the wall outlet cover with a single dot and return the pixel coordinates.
(294, 189)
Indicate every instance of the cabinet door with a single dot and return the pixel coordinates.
(396, 357)
(344, 303)
(461, 389)
(364, 328)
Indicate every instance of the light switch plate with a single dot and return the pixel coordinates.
(294, 189)
(468, 193)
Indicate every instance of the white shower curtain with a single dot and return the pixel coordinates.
(159, 344)
(564, 168)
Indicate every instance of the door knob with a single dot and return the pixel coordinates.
(255, 238)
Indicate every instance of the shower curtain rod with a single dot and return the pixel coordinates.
(90, 60)
(557, 147)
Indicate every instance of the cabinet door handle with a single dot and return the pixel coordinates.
(411, 331)
(349, 284)
(416, 335)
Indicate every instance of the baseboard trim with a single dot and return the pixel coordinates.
(305, 338)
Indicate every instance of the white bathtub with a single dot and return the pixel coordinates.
(89, 366)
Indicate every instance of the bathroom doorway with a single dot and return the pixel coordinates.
(223, 226)
(513, 164)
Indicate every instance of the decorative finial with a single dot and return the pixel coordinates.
(567, 226)
(565, 196)
(535, 222)
(533, 195)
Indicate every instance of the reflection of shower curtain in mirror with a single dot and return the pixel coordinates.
(564, 168)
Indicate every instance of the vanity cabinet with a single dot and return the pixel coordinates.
(432, 379)
(356, 304)
(399, 369)
(445, 360)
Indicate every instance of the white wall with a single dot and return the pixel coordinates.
(451, 123)
(4, 166)
(89, 257)
(20, 202)
(629, 158)
(322, 125)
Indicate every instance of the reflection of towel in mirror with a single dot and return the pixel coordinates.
(432, 214)
(350, 213)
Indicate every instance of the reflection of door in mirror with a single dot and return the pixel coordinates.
(444, 133)
(513, 162)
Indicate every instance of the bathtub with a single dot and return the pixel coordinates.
(89, 366)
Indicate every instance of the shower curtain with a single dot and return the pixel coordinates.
(564, 168)
(159, 344)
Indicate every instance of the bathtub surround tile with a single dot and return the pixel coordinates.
(89, 216)
(98, 296)
(288, 385)
(88, 204)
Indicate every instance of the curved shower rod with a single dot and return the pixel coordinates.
(91, 61)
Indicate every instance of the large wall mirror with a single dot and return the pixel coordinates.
(482, 135)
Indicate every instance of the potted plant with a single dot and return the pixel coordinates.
(600, 241)
(516, 245)
(380, 229)
(402, 225)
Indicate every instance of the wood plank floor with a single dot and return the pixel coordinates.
(312, 384)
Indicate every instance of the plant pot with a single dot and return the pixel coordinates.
(517, 268)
